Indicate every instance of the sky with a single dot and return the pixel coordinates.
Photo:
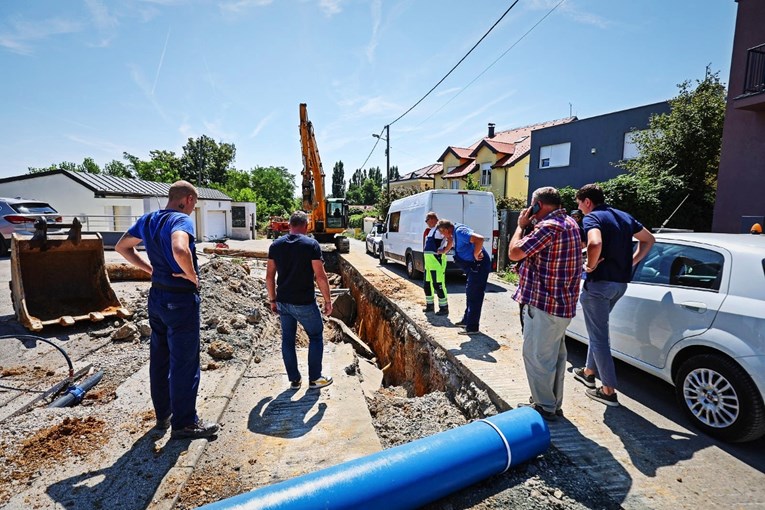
(96, 78)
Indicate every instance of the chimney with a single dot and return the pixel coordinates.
(491, 130)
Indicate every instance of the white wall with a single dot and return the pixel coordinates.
(248, 232)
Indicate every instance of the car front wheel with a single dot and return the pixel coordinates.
(720, 398)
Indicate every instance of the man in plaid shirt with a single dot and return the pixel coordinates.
(549, 287)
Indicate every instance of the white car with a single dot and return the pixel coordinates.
(694, 316)
(373, 240)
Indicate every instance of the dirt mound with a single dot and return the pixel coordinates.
(73, 437)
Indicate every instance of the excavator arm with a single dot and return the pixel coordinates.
(314, 201)
(328, 217)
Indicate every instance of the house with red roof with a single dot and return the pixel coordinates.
(419, 180)
(498, 162)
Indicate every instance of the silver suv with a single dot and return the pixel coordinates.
(19, 215)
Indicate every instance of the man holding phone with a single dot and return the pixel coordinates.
(549, 287)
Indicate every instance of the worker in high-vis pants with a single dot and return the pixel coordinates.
(434, 253)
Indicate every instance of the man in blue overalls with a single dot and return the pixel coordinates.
(168, 236)
(434, 250)
(475, 261)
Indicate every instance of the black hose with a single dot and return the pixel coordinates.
(33, 337)
(75, 394)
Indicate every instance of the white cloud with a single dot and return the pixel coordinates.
(263, 123)
(105, 24)
(104, 146)
(378, 106)
(330, 7)
(570, 9)
(23, 33)
(214, 129)
(242, 5)
(376, 8)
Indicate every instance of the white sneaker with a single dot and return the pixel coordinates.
(320, 383)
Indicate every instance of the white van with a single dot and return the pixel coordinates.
(405, 226)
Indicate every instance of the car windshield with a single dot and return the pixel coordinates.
(33, 208)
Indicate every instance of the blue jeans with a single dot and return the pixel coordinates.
(309, 317)
(477, 275)
(174, 355)
(598, 299)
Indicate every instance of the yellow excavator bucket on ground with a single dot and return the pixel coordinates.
(61, 278)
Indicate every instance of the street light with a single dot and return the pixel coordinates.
(387, 157)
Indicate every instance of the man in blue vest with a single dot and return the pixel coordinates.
(168, 235)
(434, 251)
(475, 261)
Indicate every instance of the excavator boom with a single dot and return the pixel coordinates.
(329, 218)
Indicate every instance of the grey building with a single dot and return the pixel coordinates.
(584, 151)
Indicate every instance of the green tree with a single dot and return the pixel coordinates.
(274, 189)
(375, 174)
(338, 180)
(370, 192)
(163, 166)
(205, 161)
(394, 173)
(64, 165)
(683, 144)
(471, 183)
(89, 166)
(117, 168)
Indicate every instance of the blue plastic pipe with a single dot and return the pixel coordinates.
(409, 475)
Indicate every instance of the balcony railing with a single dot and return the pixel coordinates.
(754, 82)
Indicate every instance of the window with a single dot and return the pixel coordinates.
(554, 155)
(485, 174)
(631, 150)
(393, 221)
(455, 184)
(238, 219)
(682, 266)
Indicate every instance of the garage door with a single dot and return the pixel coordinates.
(216, 225)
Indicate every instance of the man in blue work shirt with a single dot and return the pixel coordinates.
(475, 261)
(610, 258)
(168, 236)
(297, 260)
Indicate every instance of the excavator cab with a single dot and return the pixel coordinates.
(61, 278)
(337, 213)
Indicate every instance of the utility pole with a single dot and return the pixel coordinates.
(387, 158)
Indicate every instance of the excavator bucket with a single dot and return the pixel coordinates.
(61, 279)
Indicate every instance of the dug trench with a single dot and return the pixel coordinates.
(424, 390)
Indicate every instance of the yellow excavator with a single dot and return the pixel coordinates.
(328, 217)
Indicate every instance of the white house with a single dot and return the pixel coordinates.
(111, 204)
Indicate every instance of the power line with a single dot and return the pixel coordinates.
(493, 63)
(372, 151)
(457, 64)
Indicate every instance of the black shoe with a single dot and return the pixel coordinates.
(599, 396)
(559, 413)
(198, 430)
(547, 415)
(444, 310)
(587, 380)
(428, 308)
(163, 424)
(295, 385)
(469, 332)
(460, 324)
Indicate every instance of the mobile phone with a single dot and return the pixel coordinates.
(535, 209)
